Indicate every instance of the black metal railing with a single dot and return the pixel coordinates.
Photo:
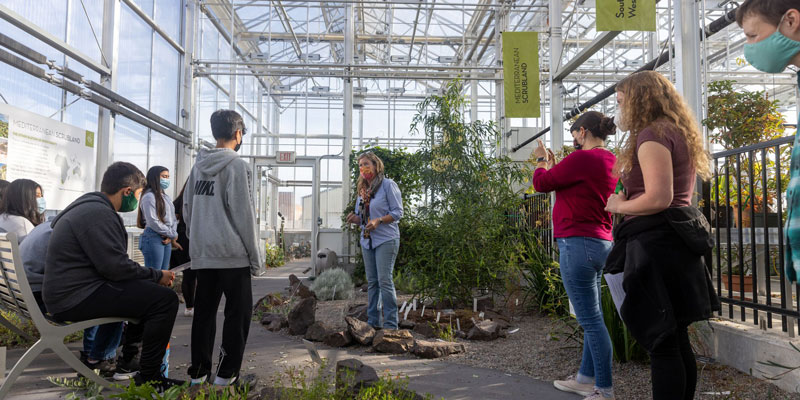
(535, 214)
(745, 203)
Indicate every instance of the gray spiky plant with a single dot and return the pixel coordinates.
(333, 284)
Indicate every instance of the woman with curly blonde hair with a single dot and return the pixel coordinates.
(662, 240)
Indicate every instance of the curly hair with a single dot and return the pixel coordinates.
(651, 101)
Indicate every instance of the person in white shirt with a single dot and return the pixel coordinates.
(22, 207)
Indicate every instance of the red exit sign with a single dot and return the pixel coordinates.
(285, 157)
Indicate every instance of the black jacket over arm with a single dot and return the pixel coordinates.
(665, 278)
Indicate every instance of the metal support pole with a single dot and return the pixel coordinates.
(687, 49)
(105, 119)
(556, 101)
(188, 95)
(501, 24)
(232, 92)
(473, 98)
(347, 129)
(256, 143)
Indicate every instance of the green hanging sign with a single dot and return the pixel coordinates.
(626, 15)
(521, 74)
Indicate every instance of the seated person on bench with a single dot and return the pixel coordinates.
(88, 273)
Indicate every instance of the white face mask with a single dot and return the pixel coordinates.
(618, 120)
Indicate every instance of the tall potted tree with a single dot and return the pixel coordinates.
(738, 118)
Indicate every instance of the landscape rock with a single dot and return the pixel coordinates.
(432, 349)
(426, 329)
(304, 292)
(339, 339)
(393, 341)
(485, 303)
(358, 312)
(302, 316)
(274, 322)
(407, 324)
(352, 375)
(360, 330)
(484, 330)
(293, 280)
(317, 332)
(460, 334)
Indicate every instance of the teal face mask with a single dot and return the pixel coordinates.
(773, 54)
(129, 203)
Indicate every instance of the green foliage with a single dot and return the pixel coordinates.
(544, 288)
(625, 346)
(447, 333)
(404, 169)
(11, 339)
(333, 284)
(274, 256)
(86, 389)
(309, 384)
(738, 118)
(460, 238)
(3, 129)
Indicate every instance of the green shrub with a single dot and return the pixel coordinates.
(274, 256)
(333, 284)
(626, 348)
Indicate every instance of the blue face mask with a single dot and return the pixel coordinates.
(164, 183)
(40, 205)
(773, 54)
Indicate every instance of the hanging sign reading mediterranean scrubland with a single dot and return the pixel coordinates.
(626, 15)
(521, 74)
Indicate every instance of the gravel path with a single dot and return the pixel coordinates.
(543, 349)
(549, 355)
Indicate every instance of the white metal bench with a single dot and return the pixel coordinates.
(16, 295)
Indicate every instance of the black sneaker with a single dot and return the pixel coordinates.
(159, 382)
(104, 368)
(126, 370)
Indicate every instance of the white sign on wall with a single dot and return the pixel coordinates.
(59, 157)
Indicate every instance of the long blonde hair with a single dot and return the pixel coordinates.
(376, 162)
(651, 100)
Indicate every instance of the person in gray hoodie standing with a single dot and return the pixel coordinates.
(221, 225)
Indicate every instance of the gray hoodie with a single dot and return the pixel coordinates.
(219, 215)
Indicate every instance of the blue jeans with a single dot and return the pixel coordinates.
(582, 260)
(101, 342)
(379, 264)
(156, 254)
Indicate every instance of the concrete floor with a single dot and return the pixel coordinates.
(268, 354)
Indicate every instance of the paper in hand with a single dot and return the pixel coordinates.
(614, 282)
(182, 267)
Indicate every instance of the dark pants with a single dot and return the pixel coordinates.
(188, 286)
(153, 305)
(211, 285)
(673, 367)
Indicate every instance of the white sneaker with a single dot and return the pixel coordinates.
(225, 381)
(572, 386)
(189, 312)
(199, 381)
(598, 396)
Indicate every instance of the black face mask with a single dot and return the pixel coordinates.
(239, 145)
(576, 145)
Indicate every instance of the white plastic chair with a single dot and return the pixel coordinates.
(16, 295)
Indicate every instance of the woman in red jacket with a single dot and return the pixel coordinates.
(583, 181)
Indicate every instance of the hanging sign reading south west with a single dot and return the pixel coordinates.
(626, 15)
(521, 74)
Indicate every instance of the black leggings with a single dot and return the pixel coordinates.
(188, 286)
(673, 368)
